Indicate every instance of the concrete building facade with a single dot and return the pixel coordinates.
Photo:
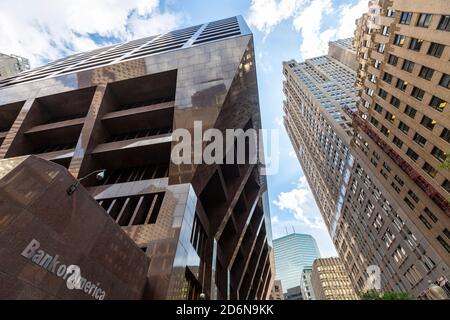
(277, 291)
(402, 137)
(330, 280)
(306, 284)
(11, 65)
(365, 219)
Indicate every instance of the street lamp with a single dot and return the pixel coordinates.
(73, 187)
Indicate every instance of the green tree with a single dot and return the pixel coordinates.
(390, 295)
(446, 164)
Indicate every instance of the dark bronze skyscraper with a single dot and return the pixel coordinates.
(205, 228)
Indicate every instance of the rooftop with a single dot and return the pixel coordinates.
(135, 49)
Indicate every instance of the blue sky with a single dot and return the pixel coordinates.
(283, 30)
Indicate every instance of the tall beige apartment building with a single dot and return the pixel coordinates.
(403, 131)
(330, 280)
(11, 65)
(378, 214)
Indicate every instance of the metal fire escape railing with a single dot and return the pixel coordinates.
(403, 164)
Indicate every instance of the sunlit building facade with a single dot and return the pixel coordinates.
(402, 137)
(330, 280)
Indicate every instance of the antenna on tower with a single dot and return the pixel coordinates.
(287, 230)
(293, 229)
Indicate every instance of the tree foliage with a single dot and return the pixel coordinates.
(390, 295)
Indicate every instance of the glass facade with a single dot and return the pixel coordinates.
(292, 253)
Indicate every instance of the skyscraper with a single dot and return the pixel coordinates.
(11, 65)
(204, 227)
(292, 253)
(317, 92)
(330, 280)
(379, 219)
(402, 132)
(306, 284)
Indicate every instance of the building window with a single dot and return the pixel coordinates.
(428, 263)
(409, 203)
(443, 243)
(381, 48)
(388, 237)
(374, 121)
(387, 77)
(413, 276)
(428, 123)
(385, 31)
(401, 84)
(429, 169)
(382, 93)
(436, 49)
(398, 142)
(384, 131)
(390, 13)
(412, 154)
(378, 108)
(445, 81)
(399, 180)
(419, 139)
(415, 44)
(399, 255)
(444, 24)
(393, 60)
(424, 20)
(373, 78)
(437, 103)
(426, 73)
(446, 185)
(413, 196)
(377, 64)
(389, 116)
(410, 111)
(395, 187)
(405, 17)
(447, 233)
(430, 214)
(134, 210)
(198, 237)
(399, 40)
(445, 135)
(395, 102)
(417, 93)
(438, 154)
(403, 127)
(408, 65)
(425, 222)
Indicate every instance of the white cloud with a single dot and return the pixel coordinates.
(309, 22)
(266, 14)
(301, 204)
(311, 18)
(46, 29)
(275, 220)
(279, 121)
(348, 16)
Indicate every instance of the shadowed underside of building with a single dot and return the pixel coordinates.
(204, 228)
